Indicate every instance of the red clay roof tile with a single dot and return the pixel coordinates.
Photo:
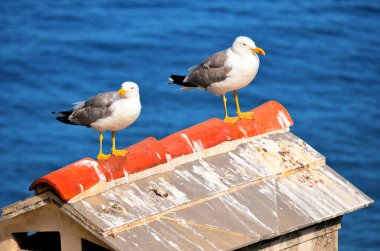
(201, 136)
(79, 176)
(141, 156)
(72, 179)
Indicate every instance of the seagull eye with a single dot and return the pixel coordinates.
(244, 44)
(132, 88)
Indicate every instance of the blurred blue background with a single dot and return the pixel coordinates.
(322, 64)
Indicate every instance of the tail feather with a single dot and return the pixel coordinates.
(65, 117)
(179, 80)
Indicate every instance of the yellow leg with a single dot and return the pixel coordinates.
(242, 115)
(227, 119)
(101, 155)
(116, 152)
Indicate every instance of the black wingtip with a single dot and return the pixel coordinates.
(179, 80)
(64, 116)
(66, 113)
(64, 119)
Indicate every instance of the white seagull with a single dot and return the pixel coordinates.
(224, 71)
(112, 111)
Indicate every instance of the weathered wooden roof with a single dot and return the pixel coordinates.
(222, 197)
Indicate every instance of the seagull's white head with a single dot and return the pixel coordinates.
(245, 46)
(129, 90)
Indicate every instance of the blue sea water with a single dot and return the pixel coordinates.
(322, 64)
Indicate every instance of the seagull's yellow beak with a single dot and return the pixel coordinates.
(258, 50)
(121, 91)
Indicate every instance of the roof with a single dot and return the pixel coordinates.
(81, 175)
(211, 186)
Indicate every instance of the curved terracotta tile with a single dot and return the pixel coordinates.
(142, 155)
(201, 136)
(72, 179)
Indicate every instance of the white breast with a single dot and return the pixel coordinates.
(123, 113)
(244, 70)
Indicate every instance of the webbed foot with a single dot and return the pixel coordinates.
(245, 115)
(230, 119)
(120, 153)
(102, 156)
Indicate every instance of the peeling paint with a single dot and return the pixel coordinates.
(190, 177)
(195, 145)
(101, 176)
(232, 215)
(316, 201)
(183, 135)
(210, 178)
(161, 239)
(241, 129)
(179, 235)
(198, 145)
(183, 173)
(121, 238)
(283, 120)
(230, 200)
(158, 155)
(168, 157)
(174, 245)
(81, 188)
(237, 160)
(268, 191)
(87, 162)
(175, 195)
(155, 236)
(194, 231)
(125, 172)
(139, 202)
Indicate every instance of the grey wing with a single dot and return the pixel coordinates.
(101, 100)
(95, 108)
(216, 60)
(212, 70)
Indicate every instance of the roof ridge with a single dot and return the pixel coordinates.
(83, 174)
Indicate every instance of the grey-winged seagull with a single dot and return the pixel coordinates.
(112, 111)
(224, 71)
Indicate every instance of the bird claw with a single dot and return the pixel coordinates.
(120, 153)
(245, 115)
(102, 156)
(230, 120)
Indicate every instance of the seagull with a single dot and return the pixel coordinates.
(112, 111)
(225, 71)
